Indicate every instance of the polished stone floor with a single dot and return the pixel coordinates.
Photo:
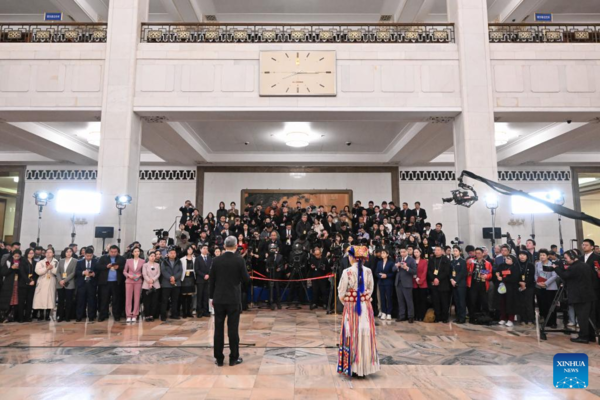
(287, 355)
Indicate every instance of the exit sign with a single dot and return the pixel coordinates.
(53, 17)
(539, 17)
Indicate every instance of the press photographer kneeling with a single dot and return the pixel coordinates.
(579, 279)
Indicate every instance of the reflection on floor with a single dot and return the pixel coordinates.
(287, 355)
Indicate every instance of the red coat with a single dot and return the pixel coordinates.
(422, 274)
(471, 266)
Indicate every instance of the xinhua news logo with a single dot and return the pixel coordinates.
(571, 371)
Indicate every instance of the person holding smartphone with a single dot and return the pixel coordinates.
(385, 271)
(110, 279)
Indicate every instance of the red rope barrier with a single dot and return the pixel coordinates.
(290, 280)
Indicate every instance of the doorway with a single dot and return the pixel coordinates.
(586, 191)
(12, 184)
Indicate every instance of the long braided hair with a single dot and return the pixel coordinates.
(361, 279)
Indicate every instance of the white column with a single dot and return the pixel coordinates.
(474, 147)
(119, 157)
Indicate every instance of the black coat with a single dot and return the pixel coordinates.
(227, 275)
(579, 280)
(103, 263)
(594, 262)
(80, 268)
(442, 265)
(202, 268)
(8, 274)
(511, 275)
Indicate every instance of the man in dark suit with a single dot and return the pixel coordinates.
(578, 278)
(593, 260)
(110, 278)
(87, 285)
(202, 268)
(439, 271)
(405, 213)
(227, 276)
(405, 269)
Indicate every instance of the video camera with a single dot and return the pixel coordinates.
(462, 197)
(457, 241)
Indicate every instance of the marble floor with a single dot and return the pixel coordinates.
(287, 355)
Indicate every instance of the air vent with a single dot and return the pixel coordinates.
(385, 18)
(210, 18)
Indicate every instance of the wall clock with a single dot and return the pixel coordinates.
(297, 73)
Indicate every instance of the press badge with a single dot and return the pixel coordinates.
(64, 275)
(522, 277)
(454, 274)
(30, 275)
(187, 273)
(435, 272)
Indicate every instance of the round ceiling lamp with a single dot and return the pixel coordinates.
(297, 139)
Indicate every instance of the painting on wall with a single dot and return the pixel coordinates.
(326, 198)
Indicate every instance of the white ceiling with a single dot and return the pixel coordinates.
(268, 136)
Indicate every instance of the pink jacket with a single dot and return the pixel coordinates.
(131, 273)
(150, 273)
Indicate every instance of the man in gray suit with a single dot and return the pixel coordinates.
(405, 269)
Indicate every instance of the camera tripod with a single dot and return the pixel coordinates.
(558, 298)
(333, 301)
(295, 274)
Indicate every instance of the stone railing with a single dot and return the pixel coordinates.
(544, 33)
(296, 33)
(52, 32)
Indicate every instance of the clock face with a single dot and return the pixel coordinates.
(297, 73)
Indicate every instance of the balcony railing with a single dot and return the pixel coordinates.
(544, 33)
(297, 33)
(53, 32)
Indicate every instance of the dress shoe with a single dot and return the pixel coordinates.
(580, 340)
(411, 320)
(67, 320)
(78, 320)
(198, 315)
(91, 319)
(163, 319)
(235, 362)
(279, 306)
(400, 320)
(206, 314)
(177, 317)
(313, 306)
(218, 363)
(100, 319)
(117, 319)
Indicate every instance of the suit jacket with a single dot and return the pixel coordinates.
(405, 214)
(202, 268)
(459, 272)
(420, 213)
(444, 272)
(405, 278)
(151, 272)
(166, 272)
(227, 275)
(66, 273)
(388, 270)
(128, 270)
(594, 262)
(102, 274)
(81, 267)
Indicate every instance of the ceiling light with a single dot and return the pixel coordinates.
(296, 139)
(16, 179)
(297, 175)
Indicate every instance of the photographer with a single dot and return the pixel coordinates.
(579, 280)
(319, 267)
(186, 212)
(297, 266)
(275, 265)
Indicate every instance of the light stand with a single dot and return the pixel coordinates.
(73, 233)
(491, 202)
(41, 200)
(121, 203)
(533, 226)
(559, 199)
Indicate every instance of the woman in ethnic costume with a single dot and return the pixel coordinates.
(358, 348)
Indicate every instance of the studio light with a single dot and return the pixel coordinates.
(122, 201)
(523, 205)
(491, 201)
(41, 199)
